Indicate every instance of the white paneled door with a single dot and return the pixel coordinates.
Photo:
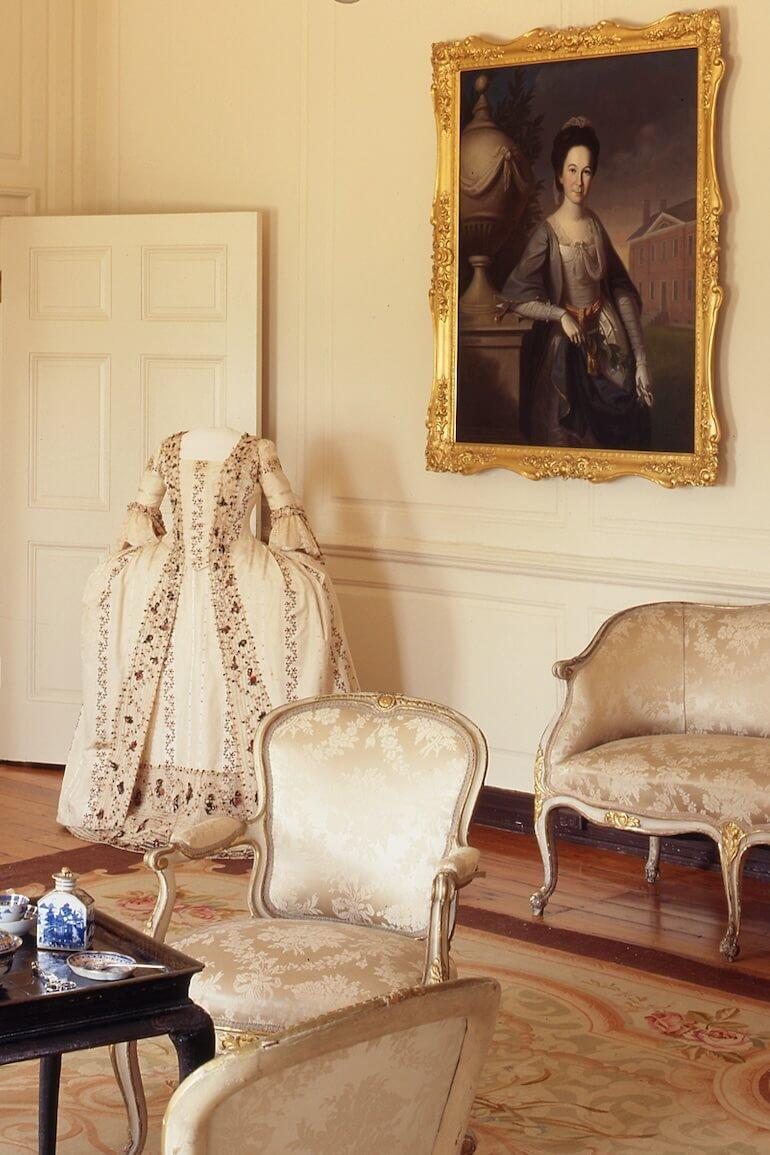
(116, 332)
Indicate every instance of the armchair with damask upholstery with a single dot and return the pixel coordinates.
(396, 1074)
(665, 730)
(360, 847)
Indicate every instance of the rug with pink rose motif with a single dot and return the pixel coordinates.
(590, 1057)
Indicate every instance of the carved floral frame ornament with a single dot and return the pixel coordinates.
(700, 30)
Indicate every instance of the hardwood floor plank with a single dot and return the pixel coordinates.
(18, 849)
(18, 788)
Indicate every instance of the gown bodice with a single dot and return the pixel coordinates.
(214, 503)
(211, 502)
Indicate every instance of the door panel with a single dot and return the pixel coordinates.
(116, 332)
(69, 401)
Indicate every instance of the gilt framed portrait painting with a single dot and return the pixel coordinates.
(575, 283)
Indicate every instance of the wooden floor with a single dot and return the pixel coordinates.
(28, 798)
(599, 892)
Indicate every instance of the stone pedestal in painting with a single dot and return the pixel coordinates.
(489, 380)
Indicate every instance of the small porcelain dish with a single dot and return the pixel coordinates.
(12, 907)
(102, 965)
(9, 944)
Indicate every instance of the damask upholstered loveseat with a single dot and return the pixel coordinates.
(665, 729)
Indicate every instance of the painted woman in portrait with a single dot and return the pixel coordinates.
(587, 368)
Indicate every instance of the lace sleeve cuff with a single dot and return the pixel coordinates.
(290, 531)
(143, 524)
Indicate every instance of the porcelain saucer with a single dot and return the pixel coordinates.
(101, 965)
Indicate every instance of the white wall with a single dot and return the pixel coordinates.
(461, 588)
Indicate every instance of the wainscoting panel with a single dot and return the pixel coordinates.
(11, 85)
(481, 640)
(24, 75)
(439, 635)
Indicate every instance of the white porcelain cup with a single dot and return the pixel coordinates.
(12, 907)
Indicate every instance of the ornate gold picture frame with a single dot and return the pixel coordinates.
(577, 341)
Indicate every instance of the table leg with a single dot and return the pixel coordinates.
(125, 1064)
(48, 1103)
(195, 1043)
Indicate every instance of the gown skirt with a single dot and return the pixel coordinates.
(189, 638)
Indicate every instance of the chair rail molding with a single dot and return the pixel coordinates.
(706, 582)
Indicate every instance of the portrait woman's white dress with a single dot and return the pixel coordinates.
(189, 638)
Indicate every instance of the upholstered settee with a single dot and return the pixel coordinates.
(665, 729)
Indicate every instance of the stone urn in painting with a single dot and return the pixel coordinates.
(495, 185)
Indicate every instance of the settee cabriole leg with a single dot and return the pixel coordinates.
(653, 860)
(732, 866)
(546, 840)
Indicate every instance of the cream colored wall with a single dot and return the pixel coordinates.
(462, 589)
(37, 106)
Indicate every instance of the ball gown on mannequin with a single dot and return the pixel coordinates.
(190, 636)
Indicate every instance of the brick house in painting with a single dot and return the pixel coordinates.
(661, 261)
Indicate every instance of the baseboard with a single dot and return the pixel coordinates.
(512, 810)
(33, 765)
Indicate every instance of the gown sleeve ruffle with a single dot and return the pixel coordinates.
(143, 523)
(290, 530)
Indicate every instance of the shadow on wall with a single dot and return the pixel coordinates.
(383, 616)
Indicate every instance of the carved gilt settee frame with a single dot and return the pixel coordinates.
(690, 678)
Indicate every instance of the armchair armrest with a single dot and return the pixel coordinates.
(454, 871)
(208, 837)
(462, 863)
(198, 840)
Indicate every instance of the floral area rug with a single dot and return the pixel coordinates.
(589, 1058)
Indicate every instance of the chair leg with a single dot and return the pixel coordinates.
(546, 841)
(125, 1064)
(653, 860)
(731, 860)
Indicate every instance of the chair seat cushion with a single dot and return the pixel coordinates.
(269, 974)
(713, 778)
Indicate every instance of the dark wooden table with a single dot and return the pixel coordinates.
(38, 1025)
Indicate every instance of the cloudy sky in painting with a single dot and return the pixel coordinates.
(643, 107)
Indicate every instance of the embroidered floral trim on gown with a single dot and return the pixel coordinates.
(189, 638)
